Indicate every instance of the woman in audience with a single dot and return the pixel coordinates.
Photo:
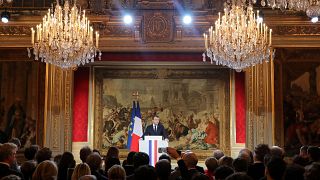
(46, 170)
(67, 161)
(80, 170)
(116, 172)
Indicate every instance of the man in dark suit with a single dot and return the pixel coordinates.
(156, 129)
(7, 158)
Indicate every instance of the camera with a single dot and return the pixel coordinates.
(162, 150)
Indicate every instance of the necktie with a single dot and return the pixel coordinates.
(155, 128)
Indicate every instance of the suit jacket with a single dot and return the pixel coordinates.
(161, 131)
(5, 171)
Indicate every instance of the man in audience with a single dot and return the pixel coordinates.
(128, 166)
(28, 167)
(7, 159)
(225, 160)
(313, 154)
(163, 169)
(217, 153)
(294, 172)
(84, 153)
(212, 164)
(139, 159)
(246, 154)
(275, 168)
(277, 151)
(256, 170)
(312, 172)
(222, 172)
(43, 154)
(240, 165)
(94, 161)
(17, 142)
(302, 159)
(145, 172)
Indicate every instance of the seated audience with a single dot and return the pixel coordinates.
(112, 152)
(29, 166)
(116, 172)
(80, 170)
(240, 165)
(293, 172)
(94, 161)
(128, 167)
(276, 151)
(275, 168)
(222, 172)
(67, 161)
(46, 170)
(225, 161)
(163, 169)
(217, 153)
(57, 159)
(302, 159)
(246, 154)
(145, 172)
(43, 154)
(312, 171)
(109, 162)
(8, 153)
(257, 169)
(84, 153)
(211, 164)
(238, 176)
(313, 154)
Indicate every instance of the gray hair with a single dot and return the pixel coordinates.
(6, 150)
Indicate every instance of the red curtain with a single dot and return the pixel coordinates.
(240, 107)
(80, 105)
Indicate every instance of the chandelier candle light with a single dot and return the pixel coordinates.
(65, 38)
(238, 40)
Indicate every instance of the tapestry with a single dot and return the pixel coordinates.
(301, 104)
(193, 105)
(22, 102)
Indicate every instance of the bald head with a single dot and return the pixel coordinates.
(190, 159)
(217, 153)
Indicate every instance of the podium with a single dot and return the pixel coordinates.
(154, 146)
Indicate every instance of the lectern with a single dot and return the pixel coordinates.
(154, 146)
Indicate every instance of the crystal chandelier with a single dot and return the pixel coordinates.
(238, 40)
(311, 7)
(65, 38)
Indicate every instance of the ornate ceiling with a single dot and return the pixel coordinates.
(157, 24)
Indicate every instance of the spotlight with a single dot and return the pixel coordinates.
(127, 19)
(187, 19)
(314, 19)
(5, 16)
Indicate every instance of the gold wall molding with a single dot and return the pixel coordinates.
(58, 104)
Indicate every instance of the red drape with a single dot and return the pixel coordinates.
(240, 107)
(80, 105)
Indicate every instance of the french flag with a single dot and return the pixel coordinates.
(135, 129)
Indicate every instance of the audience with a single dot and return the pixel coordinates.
(80, 170)
(268, 164)
(116, 172)
(46, 170)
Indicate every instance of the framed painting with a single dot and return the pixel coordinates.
(193, 103)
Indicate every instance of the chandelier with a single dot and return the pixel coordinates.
(238, 40)
(65, 38)
(311, 7)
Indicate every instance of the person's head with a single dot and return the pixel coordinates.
(80, 170)
(145, 172)
(163, 169)
(312, 172)
(217, 153)
(313, 153)
(130, 158)
(222, 172)
(260, 151)
(30, 152)
(165, 156)
(211, 163)
(240, 165)
(43, 154)
(94, 161)
(293, 172)
(246, 154)
(112, 152)
(116, 172)
(8, 153)
(225, 160)
(190, 159)
(140, 159)
(275, 168)
(276, 151)
(15, 141)
(57, 159)
(27, 169)
(46, 170)
(238, 176)
(156, 120)
(84, 153)
(67, 160)
(199, 176)
(303, 152)
(109, 162)
(11, 177)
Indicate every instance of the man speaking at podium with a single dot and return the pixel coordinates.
(156, 129)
